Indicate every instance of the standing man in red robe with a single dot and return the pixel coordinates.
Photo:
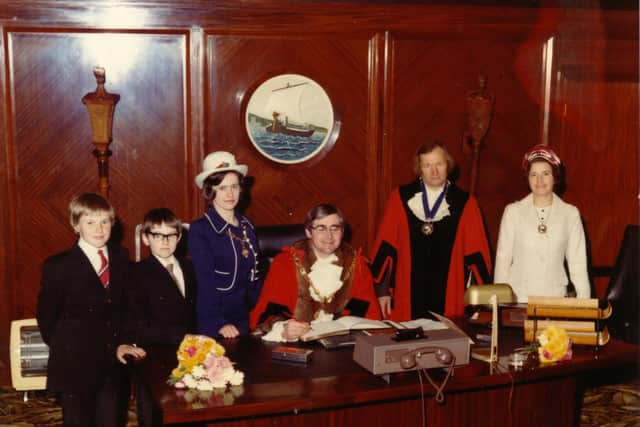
(431, 239)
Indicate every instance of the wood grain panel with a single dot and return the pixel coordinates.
(397, 74)
(52, 139)
(600, 151)
(430, 81)
(284, 193)
(594, 125)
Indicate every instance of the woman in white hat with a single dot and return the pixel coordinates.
(539, 232)
(224, 251)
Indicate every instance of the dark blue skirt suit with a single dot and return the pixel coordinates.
(226, 272)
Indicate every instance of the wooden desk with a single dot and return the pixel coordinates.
(333, 390)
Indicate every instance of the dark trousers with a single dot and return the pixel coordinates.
(107, 407)
(148, 412)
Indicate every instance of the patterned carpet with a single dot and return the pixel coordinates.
(39, 410)
(615, 405)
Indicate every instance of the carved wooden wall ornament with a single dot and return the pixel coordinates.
(101, 105)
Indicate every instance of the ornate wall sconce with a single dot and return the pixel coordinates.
(101, 106)
(479, 112)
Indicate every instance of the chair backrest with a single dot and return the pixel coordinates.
(272, 238)
(622, 292)
(181, 249)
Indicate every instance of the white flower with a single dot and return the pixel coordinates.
(198, 371)
(219, 383)
(189, 381)
(237, 378)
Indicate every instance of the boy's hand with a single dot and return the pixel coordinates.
(123, 350)
(229, 331)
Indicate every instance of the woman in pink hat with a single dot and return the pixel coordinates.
(539, 232)
(224, 251)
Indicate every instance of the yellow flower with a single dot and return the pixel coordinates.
(554, 345)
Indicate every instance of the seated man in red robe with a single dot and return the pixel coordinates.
(316, 279)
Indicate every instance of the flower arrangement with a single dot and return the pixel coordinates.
(554, 345)
(202, 365)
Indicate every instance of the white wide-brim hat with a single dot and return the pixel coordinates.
(219, 161)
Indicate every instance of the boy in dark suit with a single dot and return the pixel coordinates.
(162, 301)
(80, 316)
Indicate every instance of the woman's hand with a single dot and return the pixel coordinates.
(293, 329)
(129, 350)
(229, 331)
(385, 306)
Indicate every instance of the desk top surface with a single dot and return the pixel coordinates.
(333, 379)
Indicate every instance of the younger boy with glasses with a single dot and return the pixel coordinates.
(162, 297)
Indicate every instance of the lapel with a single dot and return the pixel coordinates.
(85, 268)
(160, 271)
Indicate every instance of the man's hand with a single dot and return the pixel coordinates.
(385, 306)
(293, 329)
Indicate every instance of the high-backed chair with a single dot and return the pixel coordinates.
(622, 292)
(272, 238)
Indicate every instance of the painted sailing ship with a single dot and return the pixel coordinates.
(285, 102)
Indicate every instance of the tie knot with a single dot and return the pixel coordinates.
(170, 267)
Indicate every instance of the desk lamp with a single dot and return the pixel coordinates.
(480, 295)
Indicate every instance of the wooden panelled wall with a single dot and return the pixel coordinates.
(396, 75)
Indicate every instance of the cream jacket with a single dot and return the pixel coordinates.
(533, 263)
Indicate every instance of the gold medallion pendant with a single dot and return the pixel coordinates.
(427, 228)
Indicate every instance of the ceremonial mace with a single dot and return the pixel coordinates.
(479, 112)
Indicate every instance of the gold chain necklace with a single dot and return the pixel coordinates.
(243, 240)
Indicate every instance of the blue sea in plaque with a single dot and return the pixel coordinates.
(287, 145)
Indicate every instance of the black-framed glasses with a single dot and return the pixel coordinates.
(334, 229)
(161, 237)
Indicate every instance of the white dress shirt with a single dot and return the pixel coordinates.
(92, 253)
(177, 271)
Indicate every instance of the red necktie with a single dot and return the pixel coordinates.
(103, 272)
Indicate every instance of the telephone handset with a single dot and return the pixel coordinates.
(410, 359)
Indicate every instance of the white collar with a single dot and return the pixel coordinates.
(166, 261)
(91, 250)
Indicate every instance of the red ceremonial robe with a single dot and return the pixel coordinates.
(406, 262)
(285, 294)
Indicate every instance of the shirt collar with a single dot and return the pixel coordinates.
(166, 261)
(90, 249)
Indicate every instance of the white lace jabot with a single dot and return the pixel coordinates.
(325, 276)
(415, 204)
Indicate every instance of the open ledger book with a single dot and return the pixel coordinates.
(346, 324)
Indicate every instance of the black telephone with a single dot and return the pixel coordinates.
(443, 355)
